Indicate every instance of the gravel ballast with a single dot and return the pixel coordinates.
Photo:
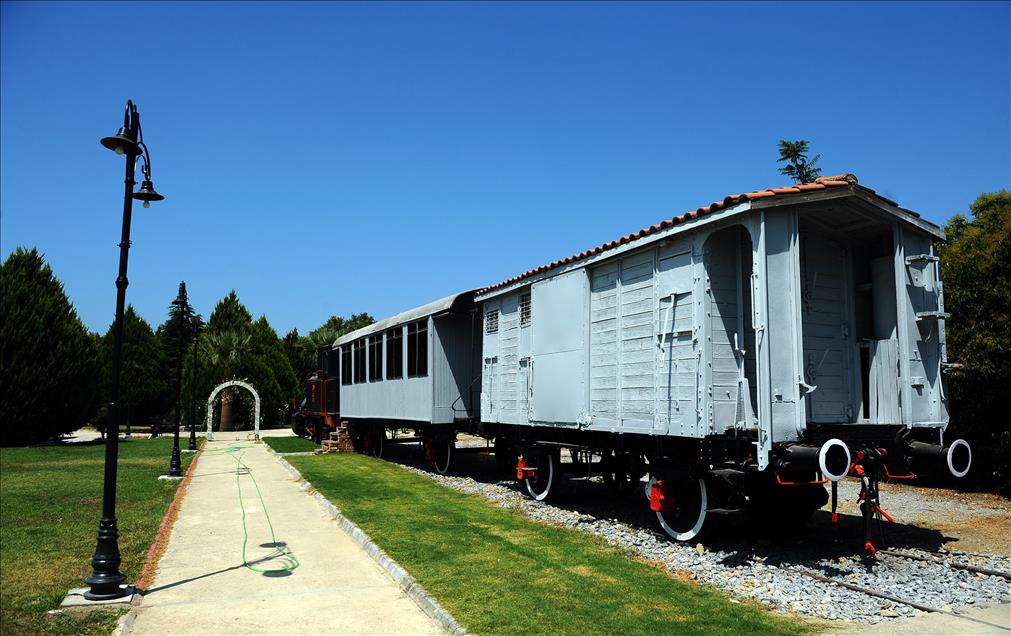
(749, 567)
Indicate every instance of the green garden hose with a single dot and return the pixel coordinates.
(236, 452)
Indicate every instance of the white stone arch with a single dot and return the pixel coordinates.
(221, 387)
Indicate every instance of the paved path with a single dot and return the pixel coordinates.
(202, 587)
(987, 621)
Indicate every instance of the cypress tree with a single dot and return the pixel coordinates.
(47, 355)
(144, 391)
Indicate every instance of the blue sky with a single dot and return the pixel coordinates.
(333, 158)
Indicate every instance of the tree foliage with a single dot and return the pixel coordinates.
(267, 362)
(977, 292)
(798, 167)
(46, 352)
(230, 315)
(177, 333)
(144, 388)
(224, 352)
(302, 350)
(234, 346)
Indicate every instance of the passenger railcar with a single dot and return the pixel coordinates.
(414, 370)
(738, 357)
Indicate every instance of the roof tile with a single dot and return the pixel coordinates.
(821, 183)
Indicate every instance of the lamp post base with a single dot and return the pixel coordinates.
(105, 578)
(175, 464)
(81, 598)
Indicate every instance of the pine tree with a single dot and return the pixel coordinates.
(230, 315)
(177, 333)
(47, 355)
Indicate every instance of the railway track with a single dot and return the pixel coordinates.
(906, 601)
(937, 557)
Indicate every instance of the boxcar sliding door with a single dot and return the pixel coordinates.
(558, 349)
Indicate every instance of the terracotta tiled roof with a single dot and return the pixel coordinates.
(821, 183)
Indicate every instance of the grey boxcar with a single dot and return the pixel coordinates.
(733, 353)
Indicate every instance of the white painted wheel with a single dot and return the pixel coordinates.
(834, 460)
(443, 456)
(685, 522)
(959, 455)
(540, 487)
(379, 443)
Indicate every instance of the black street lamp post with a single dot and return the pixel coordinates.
(197, 325)
(106, 580)
(175, 464)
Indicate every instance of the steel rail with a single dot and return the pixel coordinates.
(951, 564)
(890, 597)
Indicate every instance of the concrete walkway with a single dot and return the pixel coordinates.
(980, 621)
(202, 586)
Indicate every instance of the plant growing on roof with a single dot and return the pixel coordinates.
(799, 167)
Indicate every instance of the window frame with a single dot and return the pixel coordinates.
(359, 355)
(394, 353)
(526, 303)
(347, 377)
(417, 349)
(375, 346)
(491, 321)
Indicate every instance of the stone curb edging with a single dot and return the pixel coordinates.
(412, 588)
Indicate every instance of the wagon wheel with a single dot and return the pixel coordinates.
(546, 465)
(443, 451)
(686, 517)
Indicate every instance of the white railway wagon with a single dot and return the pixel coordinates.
(749, 351)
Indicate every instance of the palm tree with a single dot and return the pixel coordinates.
(225, 350)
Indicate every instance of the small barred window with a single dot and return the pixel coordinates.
(491, 322)
(525, 309)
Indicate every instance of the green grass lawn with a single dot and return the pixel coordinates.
(290, 444)
(50, 503)
(498, 572)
